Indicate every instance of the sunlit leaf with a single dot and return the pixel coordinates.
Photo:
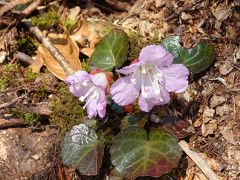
(195, 59)
(135, 153)
(111, 52)
(82, 150)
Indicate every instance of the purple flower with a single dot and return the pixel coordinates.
(91, 90)
(150, 79)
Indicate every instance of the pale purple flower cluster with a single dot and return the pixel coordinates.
(91, 90)
(150, 80)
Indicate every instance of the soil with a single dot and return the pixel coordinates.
(216, 90)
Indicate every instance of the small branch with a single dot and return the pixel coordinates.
(50, 47)
(27, 11)
(48, 5)
(24, 58)
(197, 159)
(4, 124)
(9, 6)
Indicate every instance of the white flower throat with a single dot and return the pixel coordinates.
(92, 93)
(147, 74)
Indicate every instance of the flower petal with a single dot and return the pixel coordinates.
(129, 69)
(175, 78)
(156, 54)
(99, 79)
(75, 82)
(124, 92)
(78, 76)
(146, 104)
(97, 106)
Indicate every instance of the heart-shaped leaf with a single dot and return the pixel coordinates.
(195, 59)
(134, 153)
(82, 150)
(111, 52)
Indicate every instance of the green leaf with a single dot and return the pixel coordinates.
(195, 59)
(82, 150)
(111, 52)
(134, 153)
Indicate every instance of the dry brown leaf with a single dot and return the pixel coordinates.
(87, 51)
(69, 50)
(37, 64)
(88, 33)
(85, 35)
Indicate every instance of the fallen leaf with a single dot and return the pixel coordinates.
(217, 100)
(87, 34)
(37, 64)
(69, 50)
(87, 51)
(221, 13)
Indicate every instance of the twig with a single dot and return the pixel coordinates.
(4, 105)
(9, 6)
(198, 161)
(4, 124)
(50, 47)
(27, 11)
(24, 58)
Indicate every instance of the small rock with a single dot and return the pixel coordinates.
(217, 100)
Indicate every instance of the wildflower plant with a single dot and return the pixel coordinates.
(147, 82)
(150, 79)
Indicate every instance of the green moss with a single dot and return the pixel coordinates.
(85, 66)
(30, 118)
(30, 76)
(46, 20)
(2, 85)
(68, 24)
(67, 111)
(27, 45)
(8, 75)
(136, 43)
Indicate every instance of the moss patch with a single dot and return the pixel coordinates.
(8, 75)
(27, 45)
(46, 20)
(30, 118)
(67, 110)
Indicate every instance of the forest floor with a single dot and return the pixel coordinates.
(29, 138)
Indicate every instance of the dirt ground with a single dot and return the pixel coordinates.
(216, 91)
